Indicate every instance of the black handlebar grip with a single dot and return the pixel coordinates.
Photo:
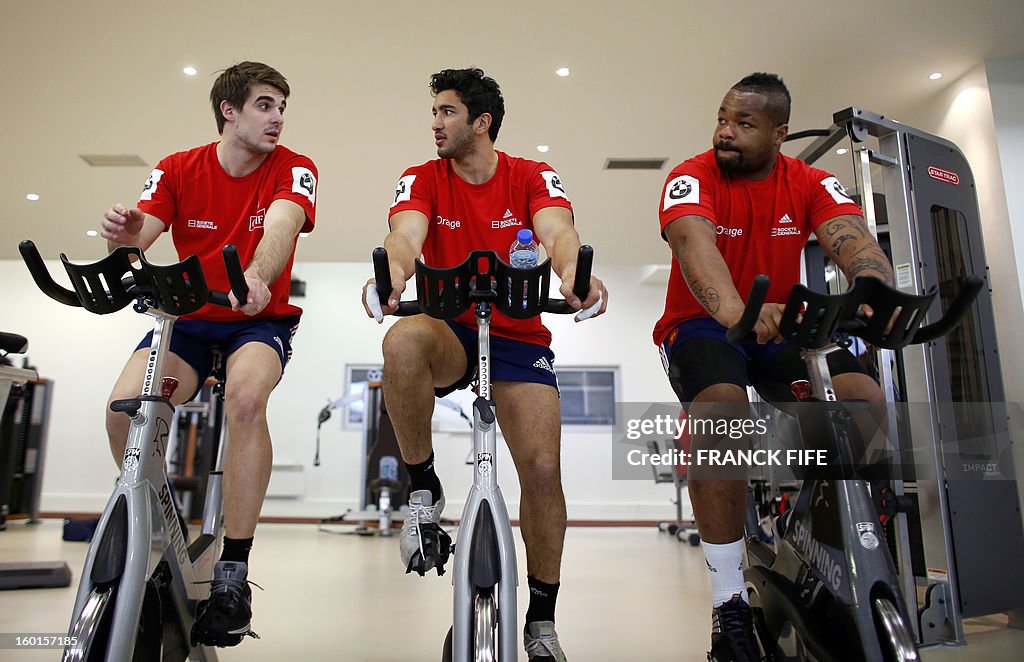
(758, 292)
(382, 274)
(41, 275)
(235, 274)
(964, 299)
(584, 265)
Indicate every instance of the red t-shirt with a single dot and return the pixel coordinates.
(465, 217)
(205, 208)
(762, 226)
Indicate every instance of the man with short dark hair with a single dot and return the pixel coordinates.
(249, 191)
(728, 214)
(476, 198)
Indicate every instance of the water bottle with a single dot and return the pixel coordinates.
(524, 254)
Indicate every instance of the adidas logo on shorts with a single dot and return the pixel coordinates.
(544, 364)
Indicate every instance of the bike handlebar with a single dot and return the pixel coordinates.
(112, 283)
(447, 293)
(812, 320)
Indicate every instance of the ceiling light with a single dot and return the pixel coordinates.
(92, 233)
(564, 71)
(32, 196)
(190, 71)
(542, 148)
(841, 151)
(935, 76)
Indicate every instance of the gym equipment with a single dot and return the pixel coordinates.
(485, 575)
(17, 468)
(140, 587)
(826, 588)
(962, 537)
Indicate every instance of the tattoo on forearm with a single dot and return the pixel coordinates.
(873, 266)
(707, 297)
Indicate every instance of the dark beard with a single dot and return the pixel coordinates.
(737, 166)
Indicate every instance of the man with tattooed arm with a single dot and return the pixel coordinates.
(728, 214)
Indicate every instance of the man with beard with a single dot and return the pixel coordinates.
(476, 198)
(736, 211)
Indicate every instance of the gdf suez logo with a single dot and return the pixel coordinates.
(680, 190)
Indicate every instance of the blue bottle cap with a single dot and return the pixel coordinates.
(524, 236)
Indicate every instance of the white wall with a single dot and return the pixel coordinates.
(83, 354)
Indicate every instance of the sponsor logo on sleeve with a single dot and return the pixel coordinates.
(682, 190)
(403, 192)
(836, 190)
(256, 220)
(554, 184)
(304, 183)
(149, 188)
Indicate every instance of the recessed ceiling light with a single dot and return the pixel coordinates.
(190, 71)
(935, 76)
(32, 196)
(92, 233)
(841, 151)
(564, 71)
(542, 148)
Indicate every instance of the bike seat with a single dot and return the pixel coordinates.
(12, 343)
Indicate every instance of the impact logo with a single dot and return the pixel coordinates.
(836, 190)
(448, 223)
(256, 220)
(944, 175)
(304, 183)
(681, 190)
(507, 221)
(205, 225)
(151, 185)
(403, 191)
(554, 184)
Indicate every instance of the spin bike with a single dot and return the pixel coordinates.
(825, 588)
(485, 577)
(141, 585)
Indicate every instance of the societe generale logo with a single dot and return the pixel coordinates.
(944, 175)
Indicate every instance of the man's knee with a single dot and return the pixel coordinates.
(407, 344)
(540, 473)
(245, 407)
(857, 386)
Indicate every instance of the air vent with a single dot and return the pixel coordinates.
(112, 160)
(634, 164)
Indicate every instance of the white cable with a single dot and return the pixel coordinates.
(373, 303)
(590, 312)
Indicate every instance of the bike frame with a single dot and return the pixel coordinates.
(140, 527)
(478, 538)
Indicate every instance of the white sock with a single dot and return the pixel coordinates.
(725, 565)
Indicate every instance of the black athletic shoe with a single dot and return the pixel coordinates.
(223, 620)
(732, 633)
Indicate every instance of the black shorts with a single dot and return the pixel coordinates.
(195, 340)
(511, 361)
(697, 355)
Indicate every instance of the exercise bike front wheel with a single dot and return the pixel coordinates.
(894, 636)
(485, 624)
(92, 630)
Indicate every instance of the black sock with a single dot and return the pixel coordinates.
(542, 601)
(236, 549)
(422, 477)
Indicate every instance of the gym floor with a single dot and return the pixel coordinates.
(627, 594)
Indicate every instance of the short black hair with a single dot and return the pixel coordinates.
(480, 93)
(773, 89)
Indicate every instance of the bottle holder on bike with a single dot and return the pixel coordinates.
(178, 289)
(114, 282)
(102, 287)
(483, 276)
(821, 316)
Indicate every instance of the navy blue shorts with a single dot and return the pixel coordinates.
(696, 355)
(511, 361)
(195, 340)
